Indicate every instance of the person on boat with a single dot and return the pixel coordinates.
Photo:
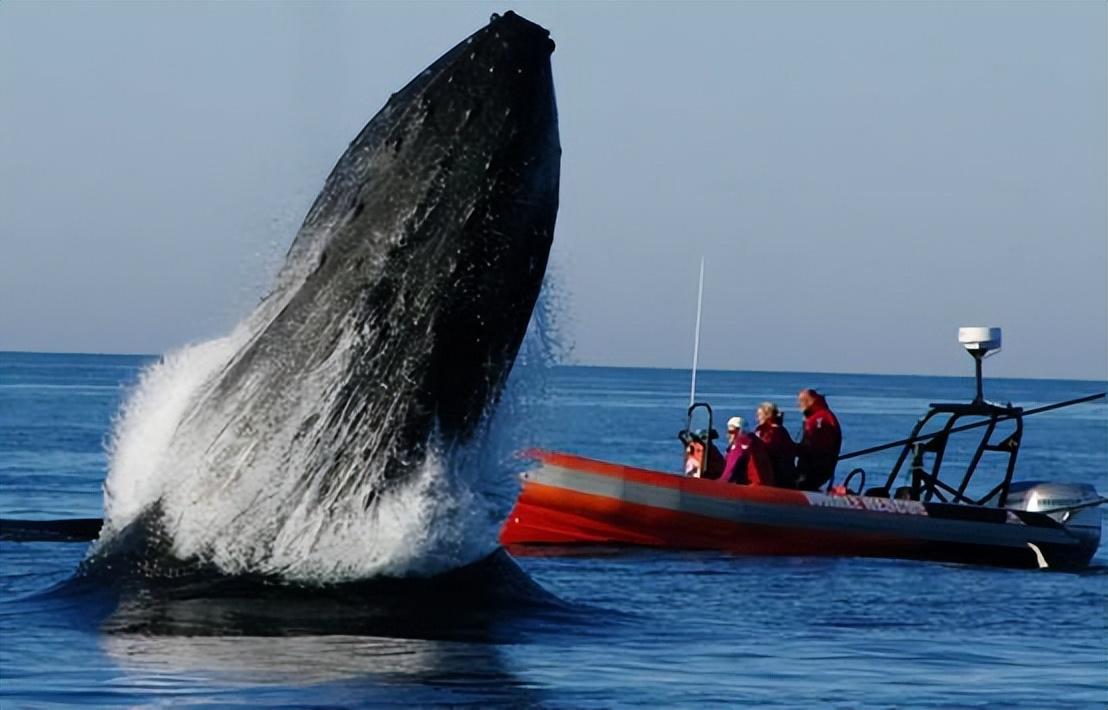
(747, 460)
(779, 445)
(692, 460)
(818, 450)
(702, 458)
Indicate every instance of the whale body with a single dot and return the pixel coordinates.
(389, 335)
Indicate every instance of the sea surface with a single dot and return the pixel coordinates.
(634, 627)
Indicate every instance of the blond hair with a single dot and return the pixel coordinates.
(771, 410)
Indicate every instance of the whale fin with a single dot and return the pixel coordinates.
(65, 530)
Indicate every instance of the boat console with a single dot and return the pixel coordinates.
(923, 454)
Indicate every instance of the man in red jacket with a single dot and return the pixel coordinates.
(818, 450)
(747, 459)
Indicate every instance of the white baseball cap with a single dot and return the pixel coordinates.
(735, 423)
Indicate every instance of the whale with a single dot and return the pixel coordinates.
(426, 250)
(387, 338)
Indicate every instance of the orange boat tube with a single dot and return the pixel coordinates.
(572, 500)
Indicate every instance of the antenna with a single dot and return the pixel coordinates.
(696, 338)
(980, 343)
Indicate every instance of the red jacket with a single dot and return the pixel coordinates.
(818, 451)
(781, 450)
(748, 462)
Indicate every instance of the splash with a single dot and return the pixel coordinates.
(446, 516)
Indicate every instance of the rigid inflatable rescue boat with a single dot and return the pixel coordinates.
(569, 500)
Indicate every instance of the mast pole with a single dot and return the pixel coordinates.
(696, 337)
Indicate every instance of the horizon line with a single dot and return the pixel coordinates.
(969, 376)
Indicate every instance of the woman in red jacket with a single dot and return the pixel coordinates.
(779, 445)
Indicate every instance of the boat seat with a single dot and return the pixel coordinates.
(903, 493)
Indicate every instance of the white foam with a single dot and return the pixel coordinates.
(255, 514)
(145, 425)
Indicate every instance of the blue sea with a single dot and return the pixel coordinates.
(634, 627)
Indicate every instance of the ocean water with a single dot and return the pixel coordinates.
(633, 627)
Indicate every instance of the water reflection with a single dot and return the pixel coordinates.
(369, 666)
(442, 640)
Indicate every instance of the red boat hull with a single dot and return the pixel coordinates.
(570, 500)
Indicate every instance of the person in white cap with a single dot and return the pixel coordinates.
(747, 460)
(735, 426)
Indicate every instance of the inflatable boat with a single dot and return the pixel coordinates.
(569, 500)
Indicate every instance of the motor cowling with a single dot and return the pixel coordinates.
(1075, 505)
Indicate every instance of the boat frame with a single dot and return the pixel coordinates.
(926, 483)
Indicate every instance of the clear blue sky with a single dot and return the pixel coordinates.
(863, 177)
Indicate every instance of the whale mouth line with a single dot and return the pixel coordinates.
(349, 428)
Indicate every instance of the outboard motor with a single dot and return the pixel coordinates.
(1074, 505)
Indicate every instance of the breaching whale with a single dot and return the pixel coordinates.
(426, 249)
(389, 335)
